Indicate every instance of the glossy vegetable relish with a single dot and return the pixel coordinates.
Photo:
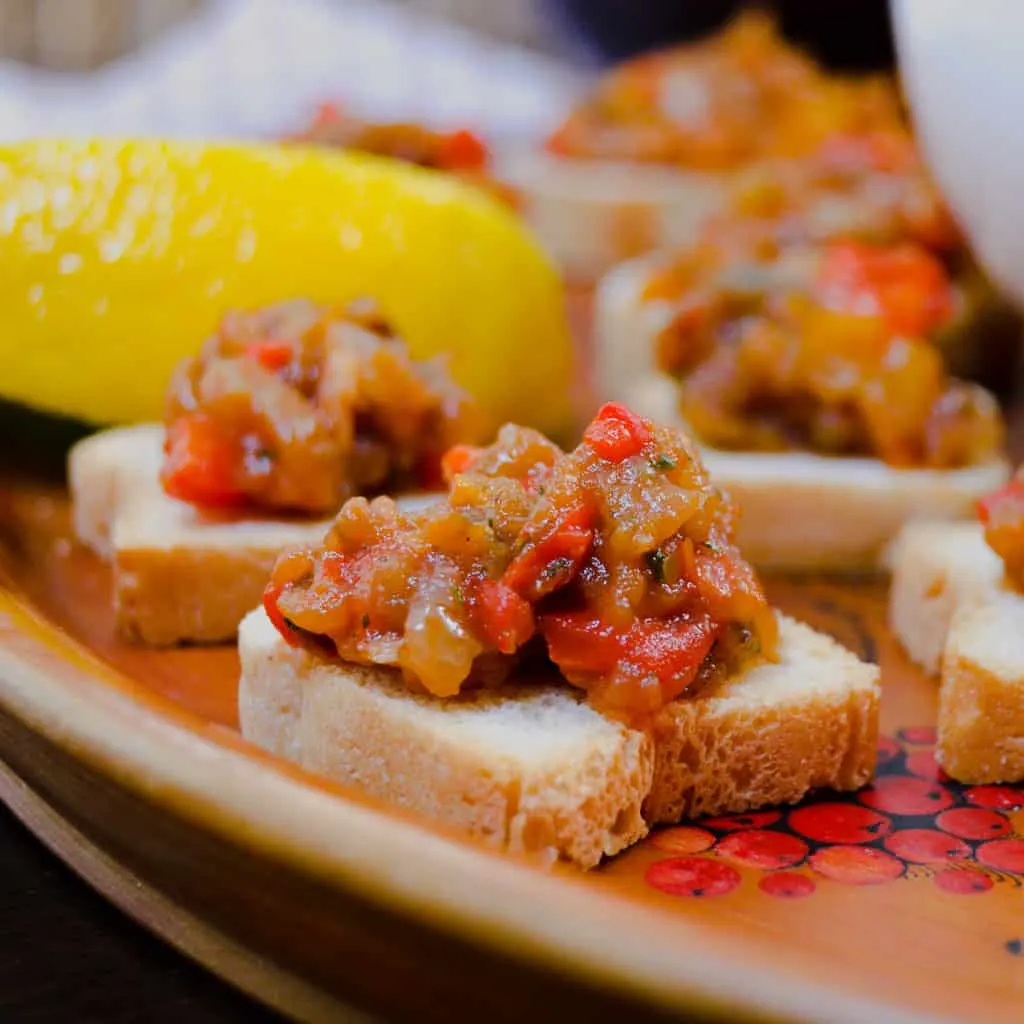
(870, 187)
(461, 152)
(1002, 515)
(411, 143)
(615, 562)
(822, 348)
(739, 96)
(297, 407)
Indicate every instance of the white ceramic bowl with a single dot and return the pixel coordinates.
(962, 63)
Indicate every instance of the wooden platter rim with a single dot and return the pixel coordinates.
(57, 688)
(278, 988)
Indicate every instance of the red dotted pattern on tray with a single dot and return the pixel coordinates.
(913, 822)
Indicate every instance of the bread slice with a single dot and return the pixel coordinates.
(181, 575)
(937, 568)
(808, 721)
(952, 610)
(981, 698)
(593, 214)
(533, 768)
(103, 466)
(800, 512)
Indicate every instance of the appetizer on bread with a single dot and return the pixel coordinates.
(284, 414)
(651, 152)
(566, 650)
(810, 375)
(956, 604)
(461, 152)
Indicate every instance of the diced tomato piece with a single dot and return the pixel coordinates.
(270, 354)
(277, 619)
(616, 433)
(505, 617)
(458, 459)
(551, 562)
(1010, 496)
(200, 463)
(905, 285)
(581, 642)
(463, 151)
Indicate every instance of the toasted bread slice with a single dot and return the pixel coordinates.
(800, 512)
(533, 768)
(592, 214)
(181, 575)
(937, 568)
(954, 613)
(981, 699)
(100, 469)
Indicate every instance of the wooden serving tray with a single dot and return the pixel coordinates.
(901, 903)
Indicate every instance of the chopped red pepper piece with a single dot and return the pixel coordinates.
(616, 433)
(672, 650)
(580, 641)
(458, 459)
(906, 285)
(200, 463)
(505, 617)
(277, 619)
(669, 650)
(549, 563)
(270, 354)
(463, 151)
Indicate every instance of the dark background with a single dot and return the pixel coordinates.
(68, 955)
(843, 33)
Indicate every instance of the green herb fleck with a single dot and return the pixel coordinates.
(711, 546)
(559, 567)
(459, 596)
(656, 563)
(664, 462)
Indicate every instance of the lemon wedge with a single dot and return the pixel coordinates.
(120, 256)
